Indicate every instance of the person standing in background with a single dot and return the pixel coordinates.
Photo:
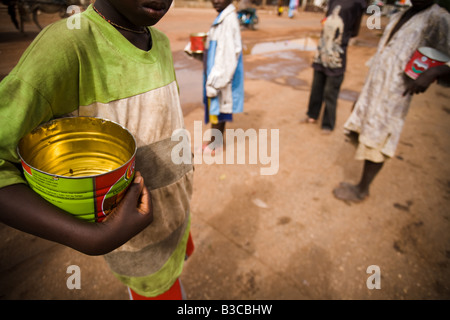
(342, 22)
(379, 114)
(223, 72)
(293, 4)
(280, 7)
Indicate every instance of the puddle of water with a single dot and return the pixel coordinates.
(276, 69)
(190, 82)
(189, 74)
(303, 44)
(278, 65)
(286, 62)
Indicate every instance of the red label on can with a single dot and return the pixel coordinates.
(110, 189)
(419, 63)
(198, 43)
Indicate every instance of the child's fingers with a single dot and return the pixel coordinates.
(145, 201)
(132, 197)
(135, 189)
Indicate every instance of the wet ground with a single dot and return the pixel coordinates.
(280, 236)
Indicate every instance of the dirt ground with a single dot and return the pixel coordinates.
(281, 236)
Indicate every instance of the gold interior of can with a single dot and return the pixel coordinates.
(77, 147)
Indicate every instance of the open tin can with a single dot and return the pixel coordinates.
(83, 165)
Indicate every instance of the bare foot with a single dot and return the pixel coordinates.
(209, 148)
(308, 120)
(326, 131)
(349, 192)
(212, 150)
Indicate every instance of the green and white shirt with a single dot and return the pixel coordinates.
(94, 71)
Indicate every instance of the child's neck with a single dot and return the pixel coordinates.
(139, 36)
(141, 41)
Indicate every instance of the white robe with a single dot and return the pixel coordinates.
(381, 109)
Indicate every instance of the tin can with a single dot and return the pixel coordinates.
(198, 42)
(423, 59)
(83, 165)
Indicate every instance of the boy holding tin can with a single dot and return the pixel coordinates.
(223, 83)
(380, 111)
(115, 66)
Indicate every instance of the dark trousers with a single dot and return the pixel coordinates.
(324, 89)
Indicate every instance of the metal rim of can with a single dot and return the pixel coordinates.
(434, 54)
(198, 34)
(57, 176)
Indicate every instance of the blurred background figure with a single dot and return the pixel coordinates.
(342, 22)
(280, 8)
(380, 111)
(223, 73)
(293, 4)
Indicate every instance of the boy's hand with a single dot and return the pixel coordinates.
(139, 197)
(211, 92)
(421, 84)
(134, 212)
(425, 79)
(25, 210)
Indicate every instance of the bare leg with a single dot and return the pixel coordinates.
(12, 13)
(35, 19)
(210, 147)
(370, 171)
(219, 126)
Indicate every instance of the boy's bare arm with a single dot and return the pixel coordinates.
(23, 209)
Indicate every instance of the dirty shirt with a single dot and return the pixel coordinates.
(342, 22)
(94, 71)
(381, 108)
